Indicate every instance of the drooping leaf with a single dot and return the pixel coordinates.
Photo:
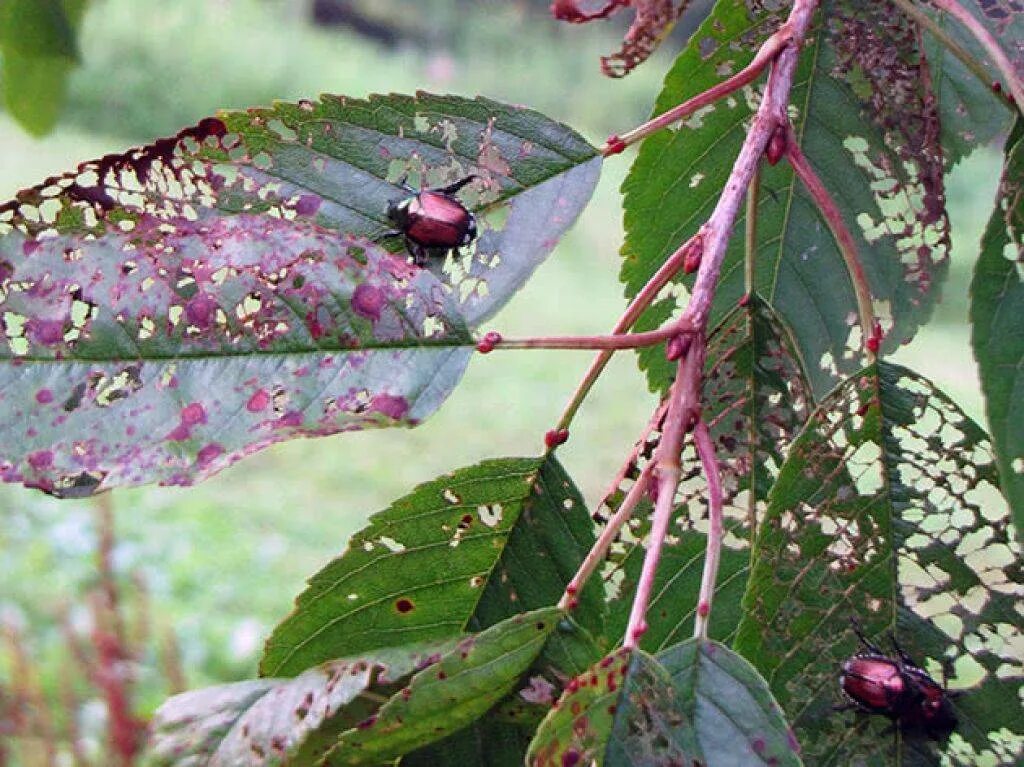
(279, 721)
(997, 314)
(222, 285)
(887, 511)
(696, 703)
(451, 694)
(736, 719)
(38, 49)
(453, 555)
(865, 117)
(756, 398)
(149, 355)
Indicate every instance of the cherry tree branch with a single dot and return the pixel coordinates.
(684, 397)
(843, 237)
(713, 552)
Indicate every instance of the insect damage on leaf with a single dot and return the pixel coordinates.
(888, 511)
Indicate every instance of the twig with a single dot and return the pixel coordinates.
(764, 56)
(672, 266)
(599, 550)
(750, 234)
(713, 551)
(684, 406)
(989, 43)
(844, 238)
(608, 343)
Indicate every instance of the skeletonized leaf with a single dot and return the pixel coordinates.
(887, 511)
(756, 398)
(997, 309)
(275, 721)
(450, 694)
(456, 554)
(865, 117)
(154, 355)
(197, 299)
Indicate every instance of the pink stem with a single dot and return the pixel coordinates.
(599, 551)
(767, 52)
(989, 43)
(709, 461)
(636, 307)
(608, 343)
(844, 239)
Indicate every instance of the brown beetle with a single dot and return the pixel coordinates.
(433, 221)
(898, 688)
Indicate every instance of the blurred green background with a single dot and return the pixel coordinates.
(224, 560)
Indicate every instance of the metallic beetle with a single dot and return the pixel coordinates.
(433, 221)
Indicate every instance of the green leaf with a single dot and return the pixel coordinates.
(997, 306)
(736, 719)
(696, 703)
(864, 116)
(887, 511)
(485, 743)
(38, 29)
(276, 721)
(451, 556)
(38, 49)
(238, 269)
(451, 694)
(756, 398)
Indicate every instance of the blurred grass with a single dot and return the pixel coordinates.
(225, 559)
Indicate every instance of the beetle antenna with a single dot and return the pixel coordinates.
(903, 655)
(453, 188)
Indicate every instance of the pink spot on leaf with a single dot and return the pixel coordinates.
(41, 460)
(44, 396)
(367, 301)
(258, 401)
(307, 205)
(390, 405)
(208, 454)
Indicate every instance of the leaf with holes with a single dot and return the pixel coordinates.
(756, 398)
(278, 721)
(449, 695)
(997, 304)
(165, 353)
(38, 49)
(459, 553)
(171, 309)
(887, 511)
(865, 117)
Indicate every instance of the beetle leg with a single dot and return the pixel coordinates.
(419, 253)
(453, 188)
(855, 624)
